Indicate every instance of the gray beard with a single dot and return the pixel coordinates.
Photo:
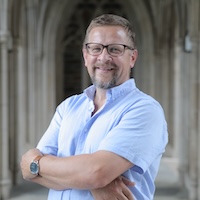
(104, 85)
(101, 84)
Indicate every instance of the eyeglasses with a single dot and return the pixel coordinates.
(115, 50)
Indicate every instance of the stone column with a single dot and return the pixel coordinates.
(196, 20)
(5, 181)
(198, 103)
(198, 123)
(191, 64)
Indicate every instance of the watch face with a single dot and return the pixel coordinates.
(34, 168)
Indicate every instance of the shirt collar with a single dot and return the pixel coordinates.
(115, 92)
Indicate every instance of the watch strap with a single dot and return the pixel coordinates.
(37, 158)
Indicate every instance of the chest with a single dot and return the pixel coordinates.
(82, 132)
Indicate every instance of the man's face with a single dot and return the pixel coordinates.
(107, 71)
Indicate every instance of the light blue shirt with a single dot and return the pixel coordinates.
(130, 124)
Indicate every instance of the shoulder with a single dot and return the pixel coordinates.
(71, 102)
(142, 105)
(138, 98)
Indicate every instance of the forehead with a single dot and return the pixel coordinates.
(108, 34)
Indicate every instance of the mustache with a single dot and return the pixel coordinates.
(106, 65)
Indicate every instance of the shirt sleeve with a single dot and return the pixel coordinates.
(140, 136)
(48, 144)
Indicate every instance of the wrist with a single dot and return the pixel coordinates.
(35, 166)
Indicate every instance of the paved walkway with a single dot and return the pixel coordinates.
(167, 186)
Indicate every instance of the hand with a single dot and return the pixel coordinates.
(116, 190)
(27, 158)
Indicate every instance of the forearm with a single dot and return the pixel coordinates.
(68, 172)
(118, 188)
(88, 171)
(47, 183)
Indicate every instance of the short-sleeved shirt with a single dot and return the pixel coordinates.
(130, 124)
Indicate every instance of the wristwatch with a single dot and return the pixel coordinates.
(34, 166)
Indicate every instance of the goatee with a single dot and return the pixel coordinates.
(102, 84)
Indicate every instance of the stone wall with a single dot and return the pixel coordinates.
(41, 64)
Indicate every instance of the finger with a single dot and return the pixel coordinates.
(125, 197)
(128, 195)
(127, 182)
(127, 192)
(124, 193)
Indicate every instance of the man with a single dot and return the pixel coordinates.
(113, 135)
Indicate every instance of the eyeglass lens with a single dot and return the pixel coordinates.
(112, 49)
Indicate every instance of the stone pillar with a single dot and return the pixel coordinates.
(195, 10)
(198, 110)
(5, 181)
(190, 162)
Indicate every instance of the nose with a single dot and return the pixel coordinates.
(104, 56)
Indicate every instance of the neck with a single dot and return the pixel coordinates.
(99, 99)
(100, 94)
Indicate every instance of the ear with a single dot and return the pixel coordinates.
(85, 56)
(134, 56)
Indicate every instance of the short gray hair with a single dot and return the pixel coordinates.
(112, 20)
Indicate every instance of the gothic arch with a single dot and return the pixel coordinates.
(55, 27)
(40, 60)
(145, 66)
(131, 10)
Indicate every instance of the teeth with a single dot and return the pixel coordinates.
(105, 69)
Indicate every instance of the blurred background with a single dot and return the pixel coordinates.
(41, 64)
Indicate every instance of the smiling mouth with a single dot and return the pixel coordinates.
(104, 69)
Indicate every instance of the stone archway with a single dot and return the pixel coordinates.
(41, 42)
(47, 57)
(73, 75)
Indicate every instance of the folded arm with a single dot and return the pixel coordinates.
(87, 171)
